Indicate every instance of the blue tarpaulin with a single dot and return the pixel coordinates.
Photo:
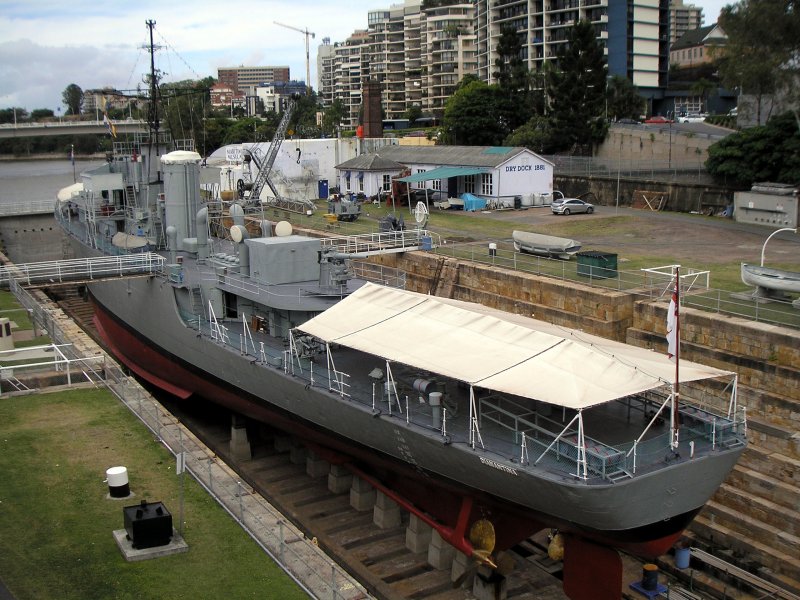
(473, 203)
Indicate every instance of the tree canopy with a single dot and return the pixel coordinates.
(769, 152)
(513, 80)
(13, 115)
(576, 88)
(761, 54)
(333, 117)
(473, 115)
(623, 99)
(72, 97)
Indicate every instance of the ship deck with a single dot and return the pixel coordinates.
(623, 439)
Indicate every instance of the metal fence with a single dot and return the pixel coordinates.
(302, 560)
(689, 170)
(649, 284)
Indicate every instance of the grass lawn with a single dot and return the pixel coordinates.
(56, 523)
(9, 307)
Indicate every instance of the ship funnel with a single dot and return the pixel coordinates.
(182, 193)
(201, 221)
(172, 243)
(236, 213)
(239, 235)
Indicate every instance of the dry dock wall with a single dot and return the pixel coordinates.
(31, 238)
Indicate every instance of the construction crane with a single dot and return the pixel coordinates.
(306, 33)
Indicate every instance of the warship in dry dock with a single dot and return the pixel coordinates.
(473, 419)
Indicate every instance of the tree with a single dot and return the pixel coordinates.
(413, 113)
(72, 97)
(769, 152)
(576, 88)
(760, 55)
(333, 117)
(472, 116)
(13, 115)
(185, 106)
(623, 99)
(304, 119)
(701, 88)
(39, 114)
(535, 135)
(513, 79)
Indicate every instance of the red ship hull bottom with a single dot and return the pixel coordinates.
(589, 555)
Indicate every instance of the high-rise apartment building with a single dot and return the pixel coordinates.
(418, 55)
(350, 69)
(449, 52)
(683, 18)
(634, 33)
(387, 52)
(325, 69)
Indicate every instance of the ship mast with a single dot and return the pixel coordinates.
(153, 108)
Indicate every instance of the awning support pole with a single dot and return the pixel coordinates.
(337, 384)
(392, 390)
(653, 420)
(474, 430)
(523, 454)
(293, 352)
(581, 448)
(555, 440)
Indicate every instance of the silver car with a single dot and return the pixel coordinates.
(568, 206)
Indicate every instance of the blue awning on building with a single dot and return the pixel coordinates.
(443, 173)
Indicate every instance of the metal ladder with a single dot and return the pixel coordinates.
(265, 167)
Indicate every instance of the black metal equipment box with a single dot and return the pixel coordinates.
(148, 524)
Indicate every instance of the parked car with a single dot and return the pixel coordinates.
(659, 120)
(627, 121)
(568, 206)
(692, 118)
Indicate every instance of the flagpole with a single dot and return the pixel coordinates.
(72, 158)
(676, 389)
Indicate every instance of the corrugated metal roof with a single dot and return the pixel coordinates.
(456, 156)
(370, 162)
(442, 173)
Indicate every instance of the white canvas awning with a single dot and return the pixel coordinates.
(494, 350)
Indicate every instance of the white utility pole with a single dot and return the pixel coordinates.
(306, 33)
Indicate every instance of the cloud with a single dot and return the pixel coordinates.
(101, 44)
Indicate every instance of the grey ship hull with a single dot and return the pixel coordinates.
(140, 321)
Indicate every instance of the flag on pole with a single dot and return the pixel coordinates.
(109, 125)
(72, 154)
(672, 324)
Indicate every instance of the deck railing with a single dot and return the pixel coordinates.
(507, 428)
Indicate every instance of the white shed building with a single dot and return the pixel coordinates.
(503, 176)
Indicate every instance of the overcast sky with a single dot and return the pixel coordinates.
(45, 45)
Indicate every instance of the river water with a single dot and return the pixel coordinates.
(37, 180)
